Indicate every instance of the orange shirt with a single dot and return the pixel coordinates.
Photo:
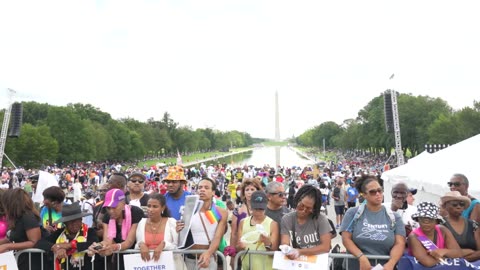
(153, 240)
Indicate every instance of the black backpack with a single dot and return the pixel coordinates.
(336, 193)
(337, 262)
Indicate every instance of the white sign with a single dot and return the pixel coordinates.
(191, 207)
(281, 262)
(7, 261)
(135, 262)
(45, 180)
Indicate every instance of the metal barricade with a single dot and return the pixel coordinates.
(345, 257)
(194, 254)
(30, 252)
(251, 256)
(247, 255)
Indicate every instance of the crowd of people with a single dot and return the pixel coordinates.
(264, 209)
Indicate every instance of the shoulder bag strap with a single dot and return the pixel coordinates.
(204, 228)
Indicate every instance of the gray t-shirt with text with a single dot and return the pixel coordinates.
(372, 232)
(305, 235)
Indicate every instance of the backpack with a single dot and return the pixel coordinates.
(336, 193)
(337, 263)
(359, 212)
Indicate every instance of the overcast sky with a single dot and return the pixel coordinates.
(217, 64)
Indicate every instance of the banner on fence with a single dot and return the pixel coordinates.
(7, 261)
(410, 263)
(135, 262)
(281, 262)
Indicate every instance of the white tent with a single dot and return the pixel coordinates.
(431, 173)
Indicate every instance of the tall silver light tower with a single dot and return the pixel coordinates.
(396, 127)
(277, 120)
(6, 121)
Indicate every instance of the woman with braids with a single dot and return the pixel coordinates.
(305, 229)
(24, 224)
(372, 229)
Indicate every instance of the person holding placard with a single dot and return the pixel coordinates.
(431, 242)
(305, 230)
(157, 232)
(258, 232)
(207, 228)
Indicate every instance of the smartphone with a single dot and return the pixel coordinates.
(98, 247)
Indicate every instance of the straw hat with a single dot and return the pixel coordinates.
(455, 196)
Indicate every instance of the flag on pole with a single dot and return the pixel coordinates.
(179, 158)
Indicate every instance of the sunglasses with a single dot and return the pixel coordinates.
(374, 192)
(280, 194)
(136, 181)
(457, 184)
(456, 204)
(301, 207)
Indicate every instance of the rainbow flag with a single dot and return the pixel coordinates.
(213, 215)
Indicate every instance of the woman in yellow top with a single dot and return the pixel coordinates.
(258, 232)
(232, 189)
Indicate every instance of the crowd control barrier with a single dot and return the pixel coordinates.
(46, 265)
(333, 258)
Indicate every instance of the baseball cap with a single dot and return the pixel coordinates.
(113, 197)
(137, 174)
(412, 190)
(259, 200)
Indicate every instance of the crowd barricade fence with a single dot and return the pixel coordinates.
(195, 253)
(243, 255)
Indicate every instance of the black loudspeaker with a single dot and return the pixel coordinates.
(387, 101)
(16, 120)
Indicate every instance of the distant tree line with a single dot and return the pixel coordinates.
(423, 120)
(79, 133)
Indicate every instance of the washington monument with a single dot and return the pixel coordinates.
(277, 120)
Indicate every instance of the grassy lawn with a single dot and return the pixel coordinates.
(274, 143)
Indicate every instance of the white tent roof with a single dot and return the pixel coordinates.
(431, 173)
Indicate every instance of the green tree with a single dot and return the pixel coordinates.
(34, 148)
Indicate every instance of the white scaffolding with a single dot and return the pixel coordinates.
(396, 126)
(6, 121)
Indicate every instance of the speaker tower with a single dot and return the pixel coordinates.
(16, 120)
(387, 101)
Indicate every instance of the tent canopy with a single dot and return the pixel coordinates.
(432, 172)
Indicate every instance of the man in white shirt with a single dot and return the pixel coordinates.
(399, 204)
